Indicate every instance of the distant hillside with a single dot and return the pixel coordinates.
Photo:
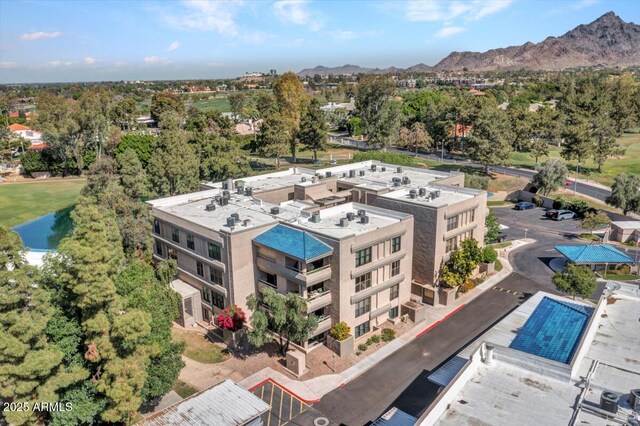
(608, 41)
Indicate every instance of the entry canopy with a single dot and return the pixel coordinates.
(600, 254)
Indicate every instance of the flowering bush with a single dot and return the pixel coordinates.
(232, 318)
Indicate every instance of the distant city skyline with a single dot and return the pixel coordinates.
(63, 41)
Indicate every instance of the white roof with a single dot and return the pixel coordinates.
(627, 224)
(224, 404)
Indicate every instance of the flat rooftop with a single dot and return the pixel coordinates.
(521, 388)
(436, 195)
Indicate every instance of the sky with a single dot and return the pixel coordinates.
(62, 41)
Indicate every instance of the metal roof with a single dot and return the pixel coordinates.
(395, 417)
(293, 242)
(627, 224)
(445, 374)
(593, 254)
(224, 404)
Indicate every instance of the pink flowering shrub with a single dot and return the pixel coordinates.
(232, 318)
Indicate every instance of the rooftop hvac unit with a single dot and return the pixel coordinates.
(231, 222)
(320, 177)
(225, 185)
(364, 219)
(373, 167)
(303, 179)
(351, 216)
(362, 212)
(344, 222)
(315, 218)
(210, 207)
(314, 179)
(383, 169)
(437, 191)
(396, 179)
(399, 170)
(434, 194)
(239, 190)
(226, 193)
(609, 401)
(634, 399)
(422, 192)
(413, 193)
(344, 174)
(224, 201)
(328, 174)
(352, 173)
(229, 183)
(246, 222)
(406, 180)
(361, 173)
(248, 191)
(275, 210)
(396, 183)
(235, 217)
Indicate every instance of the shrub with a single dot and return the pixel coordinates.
(489, 254)
(362, 347)
(537, 200)
(340, 331)
(468, 285)
(579, 207)
(622, 270)
(232, 318)
(559, 203)
(385, 157)
(388, 334)
(32, 161)
(375, 338)
(369, 342)
(475, 181)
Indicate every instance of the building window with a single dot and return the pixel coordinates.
(215, 275)
(156, 226)
(214, 251)
(172, 253)
(158, 248)
(191, 242)
(363, 306)
(200, 269)
(472, 215)
(206, 314)
(267, 278)
(363, 281)
(292, 264)
(452, 223)
(393, 313)
(450, 245)
(175, 235)
(206, 294)
(395, 268)
(362, 329)
(395, 245)
(217, 300)
(363, 256)
(393, 292)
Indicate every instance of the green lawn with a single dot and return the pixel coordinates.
(221, 104)
(183, 389)
(23, 201)
(624, 277)
(501, 245)
(199, 348)
(498, 266)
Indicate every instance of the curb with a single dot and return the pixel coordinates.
(306, 401)
(439, 321)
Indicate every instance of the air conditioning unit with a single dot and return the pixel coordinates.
(413, 193)
(399, 170)
(236, 217)
(422, 192)
(275, 210)
(351, 216)
(609, 401)
(210, 207)
(352, 173)
(231, 222)
(364, 219)
(303, 179)
(373, 167)
(362, 212)
(315, 218)
(361, 173)
(248, 191)
(634, 399)
(383, 169)
(344, 222)
(226, 193)
(328, 174)
(406, 180)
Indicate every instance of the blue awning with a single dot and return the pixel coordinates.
(295, 243)
(593, 254)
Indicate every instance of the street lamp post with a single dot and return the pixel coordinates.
(525, 233)
(575, 184)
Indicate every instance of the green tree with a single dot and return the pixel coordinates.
(624, 115)
(354, 126)
(605, 145)
(142, 145)
(220, 159)
(385, 131)
(165, 102)
(371, 104)
(578, 144)
(551, 175)
(284, 315)
(133, 177)
(313, 129)
(625, 193)
(124, 114)
(592, 220)
(491, 137)
(291, 101)
(264, 103)
(237, 101)
(575, 280)
(492, 227)
(31, 367)
(415, 137)
(273, 138)
(461, 263)
(522, 126)
(173, 167)
(211, 121)
(546, 129)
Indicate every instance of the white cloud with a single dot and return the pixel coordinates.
(156, 60)
(206, 15)
(446, 11)
(449, 31)
(8, 64)
(173, 46)
(295, 12)
(58, 64)
(40, 35)
(584, 4)
(89, 60)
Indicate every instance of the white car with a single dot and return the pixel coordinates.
(563, 214)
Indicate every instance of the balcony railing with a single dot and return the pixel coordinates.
(322, 268)
(318, 301)
(312, 295)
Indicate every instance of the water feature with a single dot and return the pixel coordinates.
(45, 232)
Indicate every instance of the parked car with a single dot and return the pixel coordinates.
(550, 213)
(333, 162)
(563, 214)
(568, 182)
(525, 205)
(317, 163)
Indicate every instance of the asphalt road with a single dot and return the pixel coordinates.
(400, 380)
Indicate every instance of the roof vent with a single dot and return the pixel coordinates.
(352, 173)
(231, 222)
(361, 173)
(373, 167)
(275, 210)
(303, 179)
(362, 212)
(344, 222)
(364, 219)
(315, 218)
(236, 216)
(609, 401)
(413, 193)
(210, 207)
(422, 192)
(248, 191)
(383, 169)
(314, 179)
(351, 216)
(328, 174)
(399, 170)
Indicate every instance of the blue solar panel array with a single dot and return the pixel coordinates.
(553, 330)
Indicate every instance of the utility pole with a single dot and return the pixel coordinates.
(575, 184)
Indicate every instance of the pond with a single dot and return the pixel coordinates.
(44, 233)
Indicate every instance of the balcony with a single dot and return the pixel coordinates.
(318, 300)
(324, 324)
(307, 278)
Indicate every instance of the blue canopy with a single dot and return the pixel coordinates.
(293, 242)
(585, 254)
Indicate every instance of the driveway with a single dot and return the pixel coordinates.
(400, 380)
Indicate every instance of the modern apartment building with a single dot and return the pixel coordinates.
(357, 241)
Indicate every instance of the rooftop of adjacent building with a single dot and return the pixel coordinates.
(517, 387)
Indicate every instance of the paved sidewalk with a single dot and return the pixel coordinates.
(310, 391)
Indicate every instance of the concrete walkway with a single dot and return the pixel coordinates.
(312, 390)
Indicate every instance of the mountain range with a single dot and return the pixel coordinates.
(606, 42)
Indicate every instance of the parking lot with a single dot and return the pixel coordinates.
(284, 405)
